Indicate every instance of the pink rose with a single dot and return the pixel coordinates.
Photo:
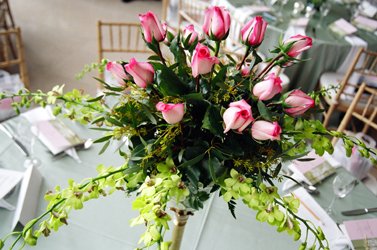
(168, 29)
(202, 61)
(300, 44)
(263, 130)
(152, 27)
(172, 113)
(190, 30)
(118, 72)
(253, 31)
(299, 101)
(142, 72)
(216, 22)
(237, 116)
(268, 88)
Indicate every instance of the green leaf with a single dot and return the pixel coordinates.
(103, 139)
(95, 99)
(168, 81)
(132, 170)
(104, 147)
(212, 170)
(149, 114)
(101, 129)
(294, 157)
(213, 121)
(154, 58)
(107, 86)
(193, 174)
(259, 179)
(232, 208)
(263, 110)
(192, 161)
(195, 97)
(112, 120)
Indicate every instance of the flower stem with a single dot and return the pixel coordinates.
(197, 83)
(268, 67)
(160, 54)
(248, 48)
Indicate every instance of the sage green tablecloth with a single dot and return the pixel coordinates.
(327, 53)
(103, 223)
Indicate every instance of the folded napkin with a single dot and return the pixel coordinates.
(43, 114)
(356, 43)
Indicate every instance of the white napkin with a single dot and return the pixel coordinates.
(6, 205)
(42, 114)
(356, 43)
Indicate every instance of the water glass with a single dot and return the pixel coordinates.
(324, 11)
(29, 136)
(342, 185)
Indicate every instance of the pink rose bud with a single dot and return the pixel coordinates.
(253, 31)
(168, 29)
(172, 113)
(216, 22)
(202, 61)
(142, 72)
(263, 130)
(245, 70)
(268, 88)
(152, 27)
(118, 72)
(301, 43)
(190, 30)
(237, 116)
(299, 101)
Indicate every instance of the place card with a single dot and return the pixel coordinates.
(313, 171)
(362, 233)
(342, 28)
(56, 136)
(365, 23)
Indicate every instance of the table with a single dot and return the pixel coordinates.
(103, 224)
(327, 54)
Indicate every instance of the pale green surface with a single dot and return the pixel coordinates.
(103, 223)
(327, 54)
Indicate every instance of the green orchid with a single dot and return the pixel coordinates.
(269, 193)
(270, 213)
(291, 203)
(291, 226)
(235, 186)
(252, 199)
(176, 187)
(74, 195)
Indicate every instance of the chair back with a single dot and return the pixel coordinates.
(10, 58)
(367, 73)
(362, 69)
(6, 18)
(119, 38)
(366, 117)
(193, 12)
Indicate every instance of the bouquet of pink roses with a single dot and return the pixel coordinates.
(195, 123)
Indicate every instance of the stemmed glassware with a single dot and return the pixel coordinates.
(29, 136)
(324, 11)
(342, 185)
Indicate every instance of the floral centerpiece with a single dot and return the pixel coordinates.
(201, 122)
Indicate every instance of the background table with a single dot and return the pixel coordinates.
(327, 53)
(103, 223)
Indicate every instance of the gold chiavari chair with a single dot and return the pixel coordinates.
(341, 100)
(7, 59)
(120, 38)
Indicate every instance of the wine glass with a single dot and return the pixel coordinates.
(342, 185)
(324, 10)
(29, 136)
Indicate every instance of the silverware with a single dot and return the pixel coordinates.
(310, 188)
(15, 140)
(82, 146)
(359, 211)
